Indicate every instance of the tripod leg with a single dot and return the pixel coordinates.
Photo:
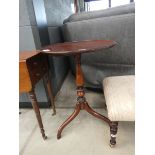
(96, 114)
(74, 114)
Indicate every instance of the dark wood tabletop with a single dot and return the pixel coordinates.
(76, 47)
(27, 54)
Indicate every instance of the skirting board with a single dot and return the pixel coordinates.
(28, 105)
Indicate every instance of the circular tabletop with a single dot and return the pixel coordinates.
(77, 47)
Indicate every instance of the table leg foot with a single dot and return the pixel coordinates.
(37, 112)
(112, 146)
(45, 137)
(58, 135)
(43, 133)
(74, 114)
(54, 113)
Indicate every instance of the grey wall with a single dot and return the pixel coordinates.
(29, 39)
(25, 29)
(56, 12)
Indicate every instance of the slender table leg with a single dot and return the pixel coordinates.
(49, 92)
(37, 112)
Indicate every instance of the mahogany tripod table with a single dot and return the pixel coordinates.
(76, 49)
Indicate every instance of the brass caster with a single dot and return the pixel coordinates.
(45, 137)
(112, 145)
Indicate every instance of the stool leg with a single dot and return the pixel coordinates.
(37, 112)
(113, 132)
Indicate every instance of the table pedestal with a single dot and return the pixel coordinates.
(81, 104)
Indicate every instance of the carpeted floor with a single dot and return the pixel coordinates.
(85, 135)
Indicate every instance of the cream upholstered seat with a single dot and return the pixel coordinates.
(119, 94)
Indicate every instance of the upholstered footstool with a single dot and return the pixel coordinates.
(119, 94)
